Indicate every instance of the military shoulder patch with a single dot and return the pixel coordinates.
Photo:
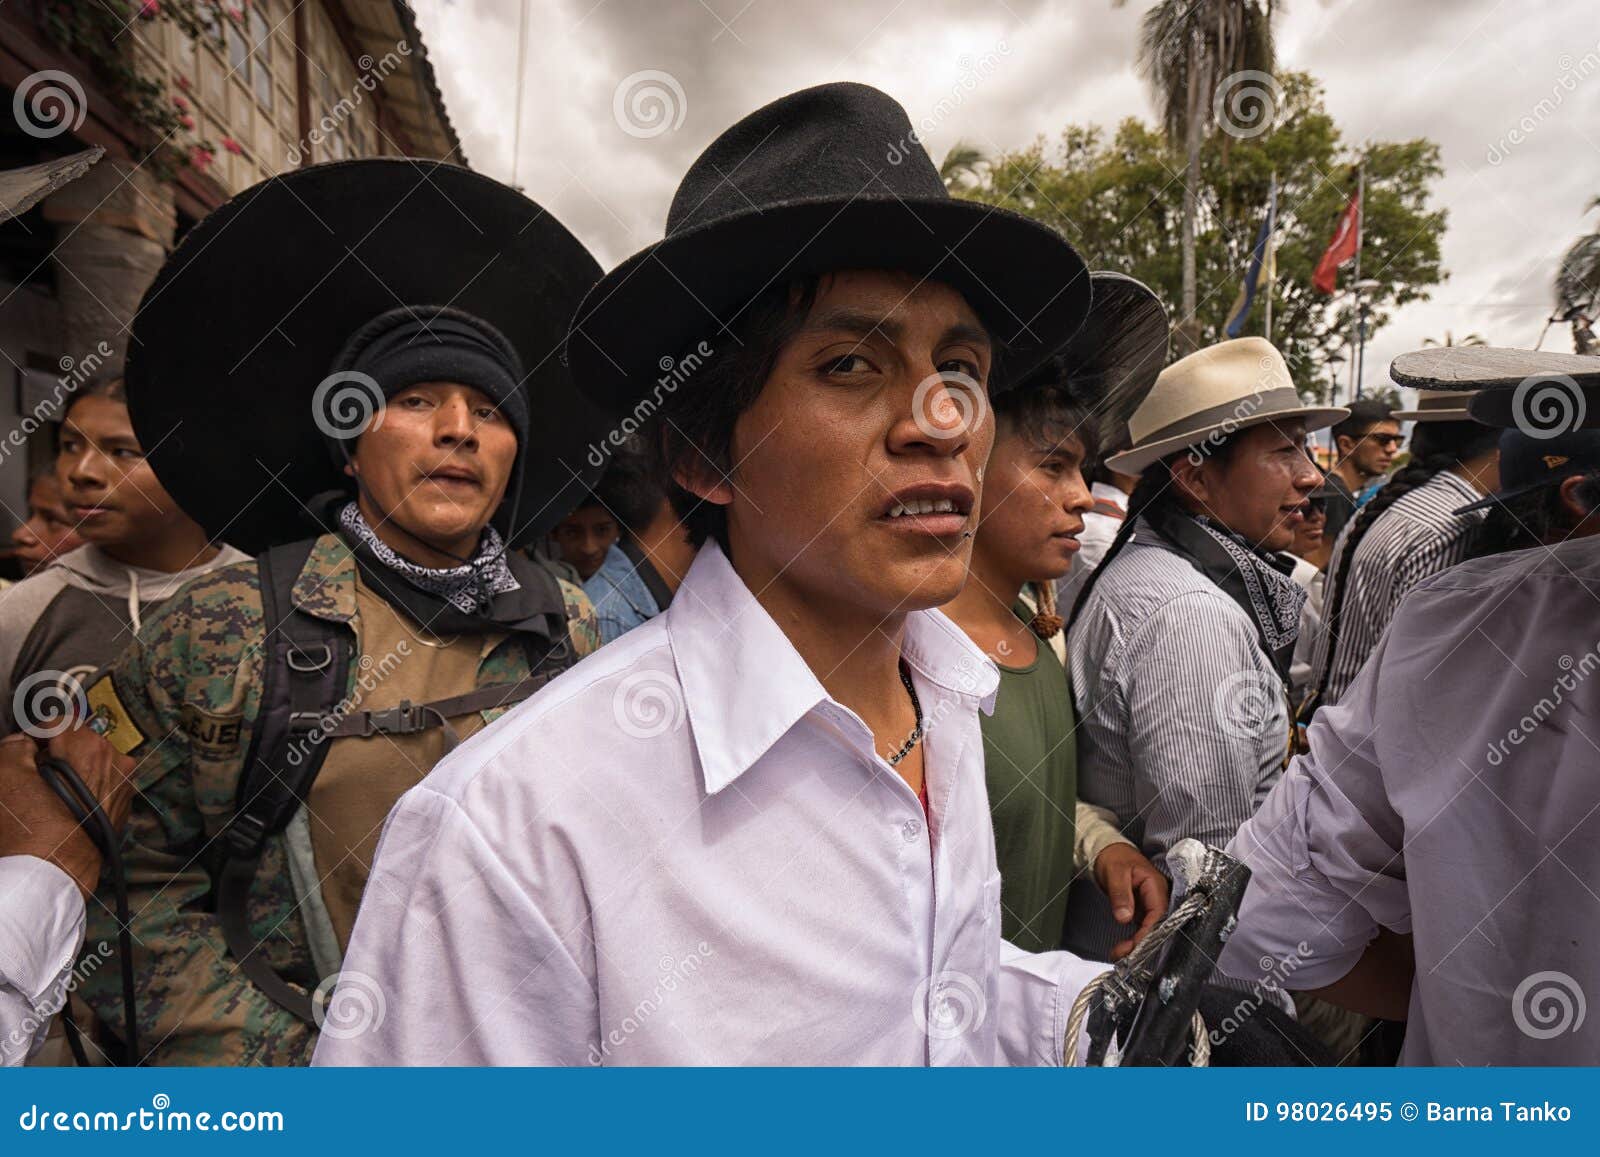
(110, 718)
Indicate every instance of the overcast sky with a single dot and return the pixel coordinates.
(1469, 74)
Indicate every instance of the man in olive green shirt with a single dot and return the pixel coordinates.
(1031, 512)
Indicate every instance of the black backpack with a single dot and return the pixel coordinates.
(306, 668)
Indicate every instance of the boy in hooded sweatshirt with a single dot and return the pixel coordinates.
(69, 619)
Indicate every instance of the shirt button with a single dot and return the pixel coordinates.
(912, 830)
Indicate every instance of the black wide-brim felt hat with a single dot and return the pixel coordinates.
(1533, 390)
(823, 180)
(249, 313)
(1115, 357)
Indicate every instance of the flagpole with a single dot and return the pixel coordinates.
(1359, 337)
(1272, 228)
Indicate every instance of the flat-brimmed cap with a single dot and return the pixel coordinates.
(1540, 393)
(1214, 391)
(828, 179)
(1438, 406)
(1529, 463)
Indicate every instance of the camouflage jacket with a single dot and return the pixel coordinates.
(182, 699)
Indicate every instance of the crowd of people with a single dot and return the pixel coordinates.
(465, 691)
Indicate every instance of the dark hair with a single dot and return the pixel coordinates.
(102, 385)
(1536, 518)
(1435, 446)
(1365, 413)
(725, 385)
(630, 489)
(1048, 415)
(1155, 487)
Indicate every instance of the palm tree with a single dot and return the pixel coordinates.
(1578, 288)
(1449, 340)
(964, 166)
(1186, 48)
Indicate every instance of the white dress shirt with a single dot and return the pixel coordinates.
(41, 930)
(684, 852)
(1452, 793)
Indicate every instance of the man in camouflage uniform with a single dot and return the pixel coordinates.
(412, 570)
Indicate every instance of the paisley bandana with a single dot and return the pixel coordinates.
(470, 587)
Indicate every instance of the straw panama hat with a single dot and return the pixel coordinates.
(1222, 388)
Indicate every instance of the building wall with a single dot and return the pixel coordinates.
(239, 84)
(241, 87)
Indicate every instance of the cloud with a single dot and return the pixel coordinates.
(1001, 73)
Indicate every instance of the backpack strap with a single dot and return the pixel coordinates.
(305, 675)
(305, 672)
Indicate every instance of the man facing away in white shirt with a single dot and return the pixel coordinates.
(707, 844)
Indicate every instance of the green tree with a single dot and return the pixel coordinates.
(1115, 198)
(1187, 50)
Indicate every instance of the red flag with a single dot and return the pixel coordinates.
(1341, 249)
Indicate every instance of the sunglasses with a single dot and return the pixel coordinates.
(1387, 441)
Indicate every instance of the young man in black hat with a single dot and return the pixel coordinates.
(754, 829)
(278, 708)
(1434, 856)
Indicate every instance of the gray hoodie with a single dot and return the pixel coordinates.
(59, 626)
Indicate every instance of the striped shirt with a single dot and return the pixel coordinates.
(1420, 535)
(1184, 721)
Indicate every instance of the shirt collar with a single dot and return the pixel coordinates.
(1460, 484)
(745, 686)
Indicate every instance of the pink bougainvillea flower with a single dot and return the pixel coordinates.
(186, 121)
(150, 9)
(179, 102)
(201, 158)
(232, 146)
